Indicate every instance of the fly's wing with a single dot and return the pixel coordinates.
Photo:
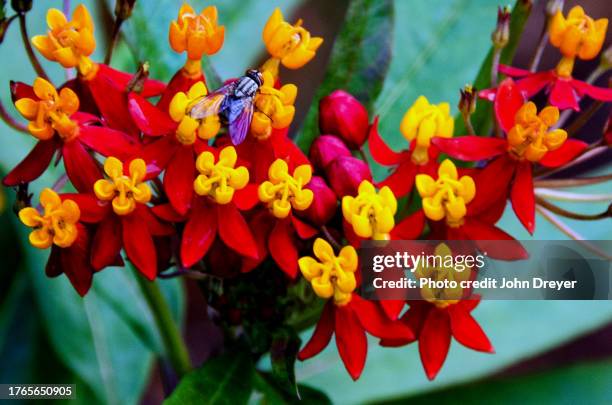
(211, 104)
(240, 122)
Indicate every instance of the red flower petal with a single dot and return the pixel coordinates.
(178, 181)
(199, 233)
(33, 165)
(246, 198)
(139, 245)
(381, 153)
(392, 307)
(108, 142)
(322, 334)
(21, 90)
(489, 214)
(109, 93)
(563, 95)
(482, 233)
(434, 341)
(75, 262)
(149, 119)
(155, 226)
(234, 230)
(107, 242)
(282, 247)
(158, 154)
(470, 147)
(567, 152)
(303, 230)
(92, 209)
(513, 71)
(414, 319)
(168, 213)
(402, 178)
(507, 103)
(410, 227)
(261, 224)
(81, 168)
(467, 331)
(533, 84)
(375, 321)
(493, 184)
(284, 148)
(598, 93)
(522, 196)
(351, 340)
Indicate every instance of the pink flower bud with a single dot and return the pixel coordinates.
(324, 204)
(325, 149)
(346, 173)
(342, 114)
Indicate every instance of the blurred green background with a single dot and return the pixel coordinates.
(546, 351)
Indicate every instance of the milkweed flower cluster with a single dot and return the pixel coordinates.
(161, 181)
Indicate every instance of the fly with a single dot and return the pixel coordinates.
(233, 102)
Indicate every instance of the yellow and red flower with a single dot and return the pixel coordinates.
(58, 227)
(55, 121)
(291, 45)
(345, 315)
(577, 36)
(220, 194)
(123, 217)
(276, 231)
(71, 43)
(529, 140)
(435, 325)
(421, 123)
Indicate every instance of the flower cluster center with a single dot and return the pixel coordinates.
(124, 190)
(56, 225)
(531, 138)
(371, 213)
(219, 180)
(283, 190)
(331, 275)
(447, 196)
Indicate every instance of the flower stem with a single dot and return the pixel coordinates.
(467, 121)
(330, 238)
(572, 197)
(560, 183)
(494, 79)
(570, 214)
(175, 347)
(563, 227)
(537, 55)
(113, 40)
(28, 47)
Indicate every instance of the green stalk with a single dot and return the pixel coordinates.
(175, 347)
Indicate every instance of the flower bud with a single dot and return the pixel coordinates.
(346, 173)
(324, 204)
(501, 35)
(342, 114)
(325, 149)
(21, 6)
(467, 100)
(123, 9)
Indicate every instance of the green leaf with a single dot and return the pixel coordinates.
(482, 117)
(359, 60)
(583, 383)
(283, 353)
(266, 392)
(391, 372)
(226, 379)
(438, 46)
